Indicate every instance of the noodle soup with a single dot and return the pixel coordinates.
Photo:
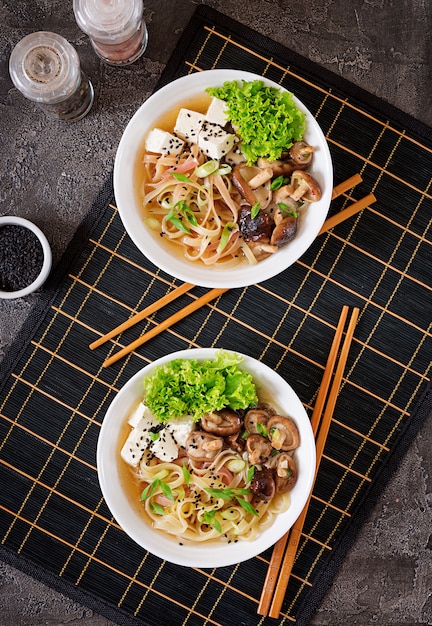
(159, 112)
(123, 490)
(207, 199)
(224, 488)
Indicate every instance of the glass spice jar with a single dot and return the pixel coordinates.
(116, 28)
(46, 68)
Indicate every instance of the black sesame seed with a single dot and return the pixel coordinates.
(21, 257)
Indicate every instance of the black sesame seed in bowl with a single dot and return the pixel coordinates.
(25, 257)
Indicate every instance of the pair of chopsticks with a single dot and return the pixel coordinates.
(170, 321)
(351, 210)
(283, 556)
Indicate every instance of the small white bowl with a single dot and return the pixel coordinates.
(148, 242)
(212, 553)
(46, 263)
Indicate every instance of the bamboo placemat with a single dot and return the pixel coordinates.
(54, 391)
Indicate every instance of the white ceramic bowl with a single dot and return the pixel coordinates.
(214, 553)
(129, 148)
(47, 257)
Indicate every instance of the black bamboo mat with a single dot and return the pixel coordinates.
(54, 391)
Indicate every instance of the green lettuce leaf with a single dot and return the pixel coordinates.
(266, 118)
(191, 387)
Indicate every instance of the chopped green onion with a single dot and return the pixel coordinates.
(236, 465)
(179, 212)
(261, 429)
(206, 169)
(154, 436)
(255, 210)
(247, 506)
(251, 472)
(186, 474)
(175, 221)
(226, 232)
(179, 493)
(151, 489)
(157, 508)
(224, 169)
(210, 519)
(229, 493)
(278, 182)
(166, 490)
(180, 177)
(287, 209)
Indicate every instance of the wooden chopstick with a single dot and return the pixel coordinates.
(175, 293)
(176, 317)
(296, 530)
(345, 185)
(279, 547)
(343, 215)
(152, 308)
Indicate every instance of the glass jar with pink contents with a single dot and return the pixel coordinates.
(116, 28)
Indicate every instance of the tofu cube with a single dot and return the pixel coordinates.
(180, 430)
(164, 447)
(214, 141)
(217, 112)
(188, 125)
(163, 142)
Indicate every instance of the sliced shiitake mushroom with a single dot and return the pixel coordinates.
(262, 249)
(305, 187)
(202, 446)
(283, 433)
(286, 473)
(284, 232)
(253, 183)
(302, 154)
(263, 485)
(255, 421)
(254, 228)
(225, 422)
(258, 449)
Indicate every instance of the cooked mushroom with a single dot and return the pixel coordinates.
(263, 484)
(258, 449)
(283, 433)
(253, 183)
(280, 167)
(254, 229)
(242, 185)
(235, 442)
(202, 446)
(302, 154)
(305, 187)
(286, 473)
(223, 423)
(284, 231)
(283, 195)
(261, 176)
(262, 249)
(255, 421)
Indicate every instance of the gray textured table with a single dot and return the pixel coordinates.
(51, 173)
